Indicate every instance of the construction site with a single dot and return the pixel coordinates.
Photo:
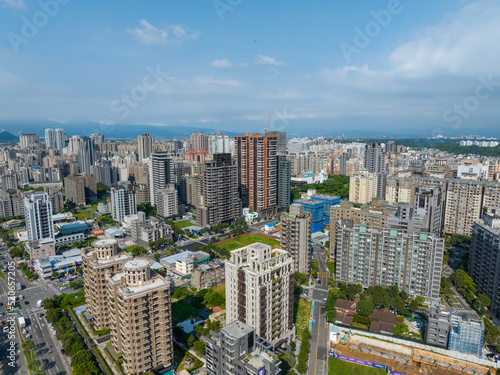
(401, 358)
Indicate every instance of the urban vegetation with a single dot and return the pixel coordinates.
(334, 185)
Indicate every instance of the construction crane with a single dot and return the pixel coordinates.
(346, 336)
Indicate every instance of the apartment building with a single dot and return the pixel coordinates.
(296, 237)
(259, 291)
(168, 201)
(401, 189)
(219, 201)
(256, 156)
(38, 216)
(429, 204)
(74, 187)
(374, 158)
(284, 182)
(145, 146)
(410, 260)
(484, 259)
(103, 257)
(144, 231)
(140, 317)
(208, 275)
(363, 187)
(161, 174)
(123, 200)
(236, 349)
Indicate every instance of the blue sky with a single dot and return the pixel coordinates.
(223, 64)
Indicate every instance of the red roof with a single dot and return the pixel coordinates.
(216, 309)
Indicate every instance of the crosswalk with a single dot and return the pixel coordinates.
(43, 286)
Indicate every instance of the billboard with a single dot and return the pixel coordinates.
(262, 371)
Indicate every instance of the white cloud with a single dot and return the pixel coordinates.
(462, 44)
(18, 4)
(222, 64)
(170, 34)
(208, 80)
(267, 60)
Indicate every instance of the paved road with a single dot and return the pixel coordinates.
(36, 326)
(318, 358)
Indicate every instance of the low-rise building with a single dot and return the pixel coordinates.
(237, 350)
(208, 275)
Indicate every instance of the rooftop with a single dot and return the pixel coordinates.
(237, 329)
(137, 264)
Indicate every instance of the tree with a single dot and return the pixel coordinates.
(463, 282)
(199, 346)
(55, 274)
(190, 341)
(28, 345)
(414, 305)
(157, 257)
(81, 356)
(483, 300)
(34, 364)
(365, 308)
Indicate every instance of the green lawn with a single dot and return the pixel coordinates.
(83, 215)
(185, 308)
(179, 356)
(301, 313)
(249, 239)
(339, 367)
(183, 224)
(331, 268)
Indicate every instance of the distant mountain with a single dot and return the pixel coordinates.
(6, 136)
(116, 131)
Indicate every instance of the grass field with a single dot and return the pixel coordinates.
(302, 311)
(83, 215)
(220, 288)
(179, 356)
(183, 224)
(339, 367)
(331, 268)
(188, 307)
(249, 239)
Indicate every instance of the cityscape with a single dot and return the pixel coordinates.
(183, 192)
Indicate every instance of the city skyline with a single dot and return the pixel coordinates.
(375, 67)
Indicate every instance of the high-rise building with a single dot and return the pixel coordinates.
(104, 172)
(257, 171)
(97, 138)
(296, 237)
(429, 206)
(86, 153)
(90, 184)
(140, 317)
(284, 182)
(199, 141)
(280, 140)
(160, 174)
(55, 138)
(168, 201)
(391, 147)
(219, 143)
(50, 139)
(259, 291)
(219, 200)
(484, 258)
(466, 335)
(123, 200)
(463, 206)
(74, 187)
(401, 188)
(363, 187)
(237, 350)
(145, 146)
(374, 158)
(38, 216)
(410, 260)
(96, 263)
(344, 158)
(28, 140)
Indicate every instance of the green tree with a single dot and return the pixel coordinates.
(365, 308)
(157, 257)
(190, 341)
(414, 305)
(34, 364)
(199, 346)
(28, 345)
(463, 282)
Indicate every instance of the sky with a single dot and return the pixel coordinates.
(324, 67)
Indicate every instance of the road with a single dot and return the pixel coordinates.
(318, 357)
(36, 326)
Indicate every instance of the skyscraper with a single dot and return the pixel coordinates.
(257, 171)
(145, 146)
(160, 174)
(363, 187)
(86, 154)
(140, 317)
(259, 291)
(219, 143)
(123, 200)
(50, 139)
(296, 237)
(199, 141)
(484, 260)
(284, 182)
(38, 216)
(28, 140)
(374, 158)
(219, 201)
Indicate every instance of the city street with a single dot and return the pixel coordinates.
(318, 358)
(36, 326)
